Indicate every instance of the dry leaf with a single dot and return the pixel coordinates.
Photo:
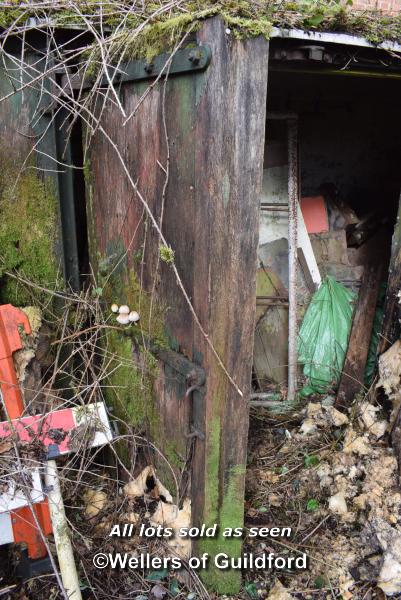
(5, 446)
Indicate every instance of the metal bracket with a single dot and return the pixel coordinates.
(195, 384)
(194, 375)
(183, 61)
(195, 378)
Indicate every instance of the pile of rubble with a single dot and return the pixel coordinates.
(360, 481)
(355, 523)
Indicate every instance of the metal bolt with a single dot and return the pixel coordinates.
(195, 56)
(195, 433)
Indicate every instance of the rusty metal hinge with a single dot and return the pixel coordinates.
(183, 61)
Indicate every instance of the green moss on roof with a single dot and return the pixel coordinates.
(163, 23)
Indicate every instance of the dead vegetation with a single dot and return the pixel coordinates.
(98, 488)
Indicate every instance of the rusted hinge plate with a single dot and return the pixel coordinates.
(183, 61)
(192, 373)
(195, 380)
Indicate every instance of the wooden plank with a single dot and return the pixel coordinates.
(306, 256)
(303, 263)
(229, 139)
(215, 126)
(270, 353)
(351, 381)
(118, 226)
(391, 312)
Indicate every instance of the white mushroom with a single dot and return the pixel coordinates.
(123, 319)
(124, 310)
(134, 316)
(114, 308)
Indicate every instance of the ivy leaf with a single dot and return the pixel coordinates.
(251, 589)
(157, 575)
(310, 460)
(312, 505)
(174, 587)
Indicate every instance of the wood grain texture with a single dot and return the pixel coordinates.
(229, 138)
(391, 312)
(215, 126)
(352, 378)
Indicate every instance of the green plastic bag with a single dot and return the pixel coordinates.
(323, 336)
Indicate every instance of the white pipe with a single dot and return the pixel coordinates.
(333, 38)
(292, 256)
(65, 553)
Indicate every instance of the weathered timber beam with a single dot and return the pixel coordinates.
(211, 126)
(229, 145)
(352, 377)
(391, 312)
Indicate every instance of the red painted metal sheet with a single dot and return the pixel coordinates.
(51, 429)
(314, 212)
(10, 319)
(26, 531)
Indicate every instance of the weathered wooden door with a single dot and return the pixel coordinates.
(193, 152)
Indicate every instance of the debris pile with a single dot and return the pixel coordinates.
(331, 477)
(115, 523)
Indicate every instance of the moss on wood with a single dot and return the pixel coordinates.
(132, 366)
(129, 386)
(28, 232)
